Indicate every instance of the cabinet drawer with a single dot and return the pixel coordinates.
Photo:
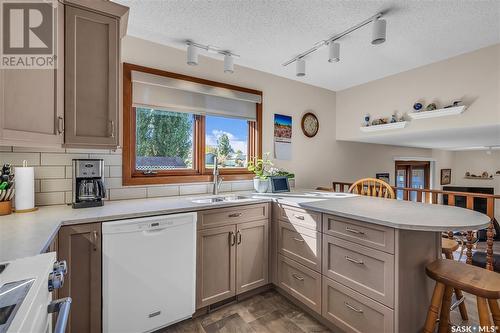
(232, 215)
(371, 235)
(300, 282)
(301, 217)
(353, 312)
(300, 244)
(368, 271)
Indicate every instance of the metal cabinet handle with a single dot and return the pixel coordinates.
(60, 125)
(299, 217)
(298, 239)
(112, 125)
(297, 277)
(238, 234)
(359, 262)
(349, 306)
(235, 215)
(354, 231)
(62, 306)
(94, 239)
(232, 238)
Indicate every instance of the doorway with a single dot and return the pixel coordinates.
(412, 174)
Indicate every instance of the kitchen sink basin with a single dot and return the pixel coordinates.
(219, 199)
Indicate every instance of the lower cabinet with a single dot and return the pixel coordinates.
(231, 260)
(80, 246)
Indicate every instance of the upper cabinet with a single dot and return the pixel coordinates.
(92, 74)
(32, 101)
(76, 104)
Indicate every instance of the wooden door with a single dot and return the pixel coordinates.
(216, 260)
(414, 174)
(80, 246)
(252, 260)
(91, 90)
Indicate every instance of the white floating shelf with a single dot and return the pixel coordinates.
(384, 127)
(453, 111)
(482, 178)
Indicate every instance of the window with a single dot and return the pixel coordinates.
(175, 126)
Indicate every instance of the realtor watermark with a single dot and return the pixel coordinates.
(28, 34)
(474, 329)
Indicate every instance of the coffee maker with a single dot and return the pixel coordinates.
(88, 183)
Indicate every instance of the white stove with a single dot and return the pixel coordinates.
(26, 295)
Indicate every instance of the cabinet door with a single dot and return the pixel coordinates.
(80, 246)
(91, 89)
(215, 272)
(251, 255)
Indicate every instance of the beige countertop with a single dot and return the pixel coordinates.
(27, 234)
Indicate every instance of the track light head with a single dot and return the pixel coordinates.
(334, 52)
(228, 63)
(300, 67)
(192, 55)
(379, 30)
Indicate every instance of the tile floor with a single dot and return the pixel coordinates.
(265, 313)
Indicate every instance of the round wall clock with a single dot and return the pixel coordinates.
(310, 124)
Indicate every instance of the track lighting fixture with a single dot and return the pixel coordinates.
(378, 37)
(334, 52)
(192, 55)
(378, 33)
(301, 67)
(228, 63)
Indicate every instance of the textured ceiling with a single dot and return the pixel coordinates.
(266, 33)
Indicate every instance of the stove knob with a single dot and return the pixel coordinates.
(56, 280)
(61, 266)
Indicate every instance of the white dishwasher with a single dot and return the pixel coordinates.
(149, 272)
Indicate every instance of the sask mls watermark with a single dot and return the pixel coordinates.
(29, 34)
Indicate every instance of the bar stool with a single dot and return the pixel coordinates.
(448, 246)
(449, 275)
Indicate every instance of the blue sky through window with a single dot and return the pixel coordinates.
(236, 130)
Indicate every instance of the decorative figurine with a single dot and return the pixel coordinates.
(484, 174)
(395, 117)
(417, 106)
(431, 107)
(467, 174)
(366, 122)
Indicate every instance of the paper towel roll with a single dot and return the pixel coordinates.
(25, 188)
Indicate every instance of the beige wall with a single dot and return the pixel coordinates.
(473, 78)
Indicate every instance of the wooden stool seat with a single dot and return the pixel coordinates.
(468, 278)
(448, 245)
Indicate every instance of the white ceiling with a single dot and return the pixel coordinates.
(266, 33)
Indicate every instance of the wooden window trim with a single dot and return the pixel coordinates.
(408, 166)
(199, 173)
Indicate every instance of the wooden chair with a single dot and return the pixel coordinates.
(449, 275)
(372, 187)
(448, 246)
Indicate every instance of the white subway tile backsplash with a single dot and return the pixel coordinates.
(108, 159)
(52, 198)
(68, 197)
(55, 185)
(127, 193)
(113, 182)
(37, 185)
(193, 189)
(60, 159)
(45, 172)
(17, 159)
(68, 171)
(224, 187)
(242, 186)
(116, 151)
(38, 150)
(163, 191)
(86, 151)
(115, 171)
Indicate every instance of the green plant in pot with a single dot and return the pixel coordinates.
(259, 167)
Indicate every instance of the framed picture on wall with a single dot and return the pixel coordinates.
(445, 176)
(383, 176)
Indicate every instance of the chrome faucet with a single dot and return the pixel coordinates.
(217, 178)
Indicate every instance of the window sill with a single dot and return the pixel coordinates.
(178, 179)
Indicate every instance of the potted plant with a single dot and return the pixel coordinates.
(259, 167)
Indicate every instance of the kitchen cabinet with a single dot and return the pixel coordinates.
(32, 101)
(251, 255)
(80, 246)
(232, 257)
(92, 78)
